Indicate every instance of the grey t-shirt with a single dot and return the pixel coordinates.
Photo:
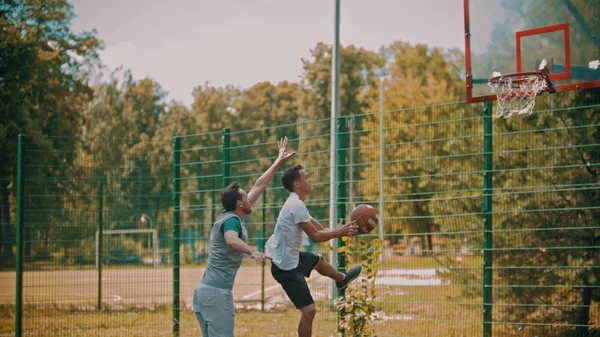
(284, 244)
(223, 262)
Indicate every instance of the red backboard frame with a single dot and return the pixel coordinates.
(564, 27)
(568, 25)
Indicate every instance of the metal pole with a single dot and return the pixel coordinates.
(381, 178)
(341, 206)
(215, 202)
(261, 248)
(155, 247)
(335, 112)
(351, 164)
(19, 239)
(145, 217)
(99, 240)
(487, 219)
(226, 169)
(176, 231)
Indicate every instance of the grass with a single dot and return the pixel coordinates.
(415, 311)
(283, 323)
(403, 311)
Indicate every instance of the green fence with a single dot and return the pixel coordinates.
(94, 235)
(490, 226)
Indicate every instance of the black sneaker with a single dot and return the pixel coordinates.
(350, 276)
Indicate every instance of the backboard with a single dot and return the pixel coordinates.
(509, 36)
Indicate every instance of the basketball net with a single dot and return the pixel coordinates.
(517, 92)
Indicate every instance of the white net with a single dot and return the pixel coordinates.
(517, 93)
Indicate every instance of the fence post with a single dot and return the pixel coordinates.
(226, 168)
(341, 188)
(175, 231)
(215, 202)
(261, 248)
(99, 240)
(19, 243)
(487, 219)
(341, 202)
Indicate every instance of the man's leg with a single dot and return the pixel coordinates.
(306, 321)
(214, 311)
(324, 268)
(203, 324)
(295, 286)
(222, 320)
(341, 279)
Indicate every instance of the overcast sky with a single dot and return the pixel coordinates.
(185, 43)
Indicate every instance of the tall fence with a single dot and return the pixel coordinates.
(93, 236)
(490, 226)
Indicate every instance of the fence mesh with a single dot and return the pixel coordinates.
(541, 251)
(95, 235)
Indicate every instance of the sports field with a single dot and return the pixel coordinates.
(59, 303)
(147, 287)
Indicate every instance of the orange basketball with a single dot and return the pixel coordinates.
(366, 218)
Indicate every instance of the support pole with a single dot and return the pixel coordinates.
(487, 220)
(19, 239)
(99, 240)
(335, 112)
(175, 240)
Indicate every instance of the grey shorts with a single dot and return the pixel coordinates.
(214, 310)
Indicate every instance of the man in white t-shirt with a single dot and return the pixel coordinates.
(289, 266)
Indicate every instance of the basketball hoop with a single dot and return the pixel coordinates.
(517, 91)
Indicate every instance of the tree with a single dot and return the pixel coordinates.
(43, 85)
(316, 109)
(420, 76)
(551, 218)
(547, 167)
(129, 114)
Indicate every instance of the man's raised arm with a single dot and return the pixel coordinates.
(265, 179)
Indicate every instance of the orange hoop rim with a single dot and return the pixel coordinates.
(523, 77)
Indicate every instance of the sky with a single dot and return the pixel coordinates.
(186, 43)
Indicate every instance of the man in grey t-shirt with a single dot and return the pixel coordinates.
(213, 301)
(289, 266)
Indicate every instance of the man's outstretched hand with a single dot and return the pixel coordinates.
(284, 153)
(259, 257)
(350, 229)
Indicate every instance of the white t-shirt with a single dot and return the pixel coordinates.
(284, 245)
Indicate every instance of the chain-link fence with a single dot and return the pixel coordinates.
(489, 226)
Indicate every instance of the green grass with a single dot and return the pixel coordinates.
(417, 312)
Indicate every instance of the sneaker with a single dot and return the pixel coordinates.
(350, 276)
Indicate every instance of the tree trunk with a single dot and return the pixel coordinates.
(422, 223)
(583, 316)
(5, 225)
(429, 243)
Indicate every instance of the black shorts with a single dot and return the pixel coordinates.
(294, 282)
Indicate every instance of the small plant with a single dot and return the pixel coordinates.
(356, 308)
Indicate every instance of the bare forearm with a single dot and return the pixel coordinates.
(263, 181)
(317, 224)
(326, 235)
(240, 246)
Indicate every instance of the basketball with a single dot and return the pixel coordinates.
(366, 218)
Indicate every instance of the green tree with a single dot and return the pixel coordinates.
(128, 113)
(420, 76)
(42, 88)
(552, 221)
(546, 172)
(316, 110)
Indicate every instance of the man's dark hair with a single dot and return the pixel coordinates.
(290, 175)
(230, 196)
